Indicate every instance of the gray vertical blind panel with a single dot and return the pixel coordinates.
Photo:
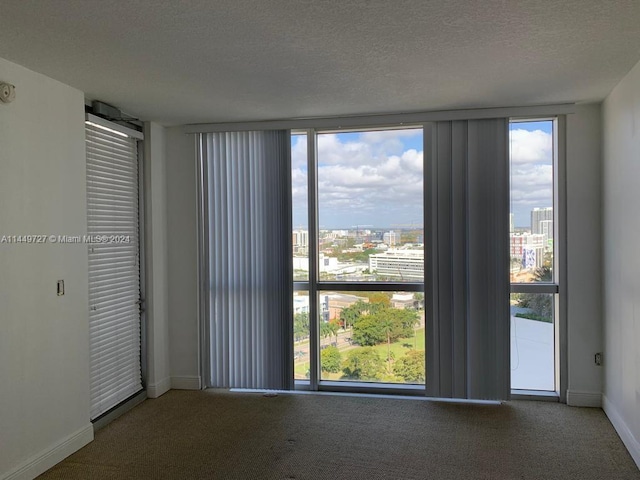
(470, 275)
(248, 190)
(114, 268)
(488, 326)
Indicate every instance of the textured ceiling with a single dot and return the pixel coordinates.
(229, 60)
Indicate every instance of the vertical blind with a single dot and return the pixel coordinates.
(468, 352)
(114, 267)
(248, 287)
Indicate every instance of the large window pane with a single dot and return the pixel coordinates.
(370, 206)
(300, 234)
(532, 198)
(532, 341)
(372, 337)
(301, 359)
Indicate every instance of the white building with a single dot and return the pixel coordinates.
(403, 264)
(326, 264)
(300, 304)
(403, 300)
(391, 238)
(529, 248)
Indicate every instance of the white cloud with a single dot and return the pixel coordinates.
(374, 178)
(363, 178)
(530, 146)
(531, 172)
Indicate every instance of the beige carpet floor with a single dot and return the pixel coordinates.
(214, 435)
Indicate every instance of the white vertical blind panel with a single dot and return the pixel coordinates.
(249, 237)
(114, 268)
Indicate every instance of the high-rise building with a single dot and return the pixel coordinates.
(300, 241)
(546, 229)
(391, 238)
(539, 215)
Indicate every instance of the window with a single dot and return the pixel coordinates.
(533, 254)
(359, 262)
(389, 257)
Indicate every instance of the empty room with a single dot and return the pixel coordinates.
(319, 239)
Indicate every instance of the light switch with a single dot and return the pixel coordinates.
(60, 288)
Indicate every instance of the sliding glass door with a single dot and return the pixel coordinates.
(358, 257)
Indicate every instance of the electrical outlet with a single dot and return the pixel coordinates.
(598, 358)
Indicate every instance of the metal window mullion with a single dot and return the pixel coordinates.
(312, 205)
(372, 286)
(560, 257)
(535, 288)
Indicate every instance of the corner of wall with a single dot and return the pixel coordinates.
(577, 398)
(584, 264)
(44, 460)
(156, 271)
(621, 263)
(182, 258)
(626, 435)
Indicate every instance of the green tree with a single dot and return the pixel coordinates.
(388, 327)
(379, 298)
(363, 364)
(334, 326)
(384, 325)
(301, 325)
(367, 331)
(325, 330)
(411, 367)
(350, 314)
(330, 359)
(540, 303)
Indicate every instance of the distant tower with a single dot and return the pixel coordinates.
(546, 229)
(391, 238)
(539, 215)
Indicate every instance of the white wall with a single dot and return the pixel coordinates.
(44, 339)
(182, 247)
(584, 277)
(621, 231)
(157, 291)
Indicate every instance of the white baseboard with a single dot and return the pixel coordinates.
(186, 383)
(576, 398)
(631, 442)
(159, 388)
(49, 457)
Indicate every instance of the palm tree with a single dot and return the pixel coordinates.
(325, 330)
(387, 327)
(334, 327)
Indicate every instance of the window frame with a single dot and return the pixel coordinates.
(557, 286)
(342, 123)
(313, 285)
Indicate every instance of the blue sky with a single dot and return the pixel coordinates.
(375, 178)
